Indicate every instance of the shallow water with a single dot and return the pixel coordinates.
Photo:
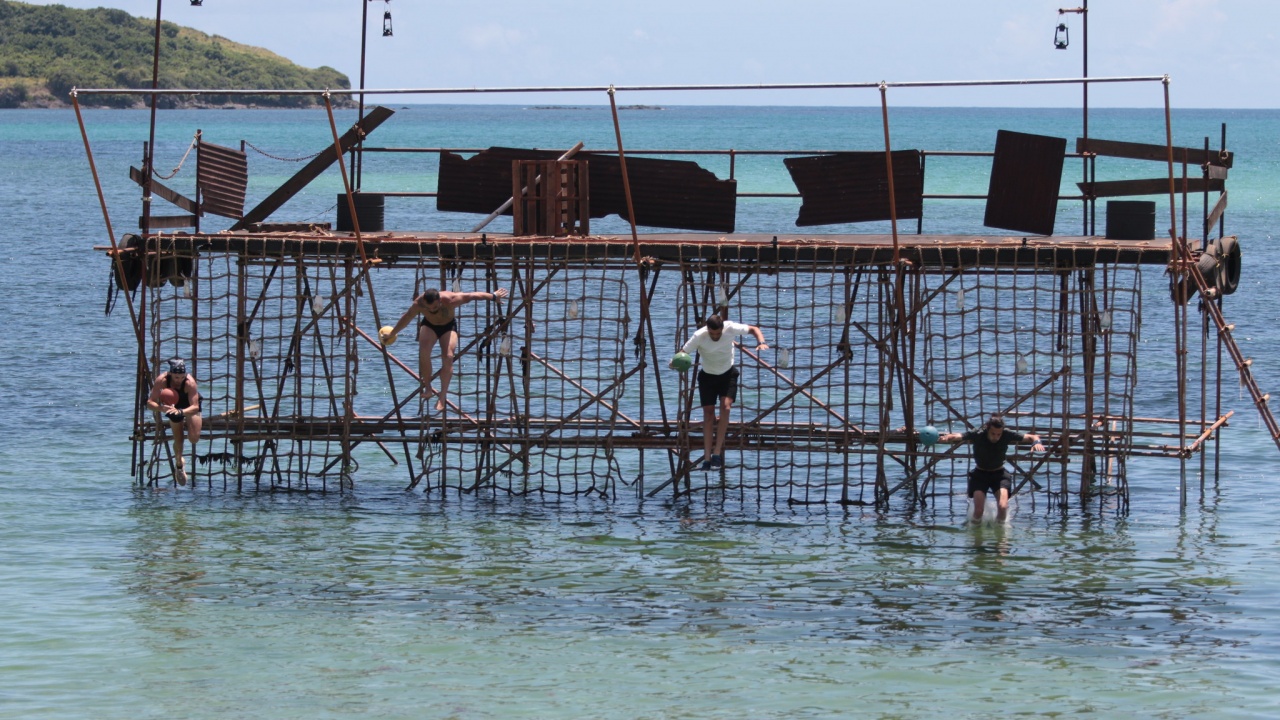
(117, 602)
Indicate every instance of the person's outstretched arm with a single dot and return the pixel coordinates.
(1034, 439)
(760, 343)
(952, 438)
(464, 298)
(414, 310)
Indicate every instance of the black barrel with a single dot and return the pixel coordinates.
(369, 210)
(1131, 220)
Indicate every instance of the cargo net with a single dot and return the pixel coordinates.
(263, 339)
(1054, 351)
(829, 413)
(537, 385)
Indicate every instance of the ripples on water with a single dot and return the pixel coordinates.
(475, 609)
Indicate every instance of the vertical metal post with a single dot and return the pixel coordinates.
(888, 161)
(622, 160)
(357, 158)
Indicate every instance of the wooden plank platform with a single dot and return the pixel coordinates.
(940, 251)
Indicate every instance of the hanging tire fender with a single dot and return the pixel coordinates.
(1226, 253)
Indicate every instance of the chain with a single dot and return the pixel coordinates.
(276, 157)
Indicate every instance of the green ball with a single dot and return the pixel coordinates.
(682, 361)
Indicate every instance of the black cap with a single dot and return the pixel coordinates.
(178, 365)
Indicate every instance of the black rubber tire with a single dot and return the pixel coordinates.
(1226, 253)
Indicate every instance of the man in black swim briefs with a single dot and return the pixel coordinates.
(439, 325)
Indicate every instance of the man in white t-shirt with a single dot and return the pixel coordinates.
(718, 380)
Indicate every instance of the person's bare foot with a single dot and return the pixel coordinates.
(180, 474)
(440, 403)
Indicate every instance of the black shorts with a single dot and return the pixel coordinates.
(713, 387)
(440, 330)
(989, 481)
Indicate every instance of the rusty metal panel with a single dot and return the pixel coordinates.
(1148, 186)
(1144, 151)
(222, 176)
(1026, 176)
(675, 194)
(666, 193)
(854, 186)
(481, 183)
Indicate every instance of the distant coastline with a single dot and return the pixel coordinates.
(47, 51)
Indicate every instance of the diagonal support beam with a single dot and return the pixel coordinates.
(313, 169)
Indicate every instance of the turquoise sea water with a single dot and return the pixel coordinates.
(117, 602)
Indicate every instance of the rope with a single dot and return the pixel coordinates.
(194, 139)
(264, 153)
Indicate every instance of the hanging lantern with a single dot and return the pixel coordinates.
(197, 3)
(386, 24)
(573, 310)
(1061, 37)
(784, 358)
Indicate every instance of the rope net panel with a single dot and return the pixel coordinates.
(275, 367)
(537, 380)
(1055, 351)
(562, 388)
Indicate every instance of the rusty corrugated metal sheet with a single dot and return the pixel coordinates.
(854, 186)
(675, 194)
(1026, 177)
(222, 176)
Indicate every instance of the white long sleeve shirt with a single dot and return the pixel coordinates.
(717, 355)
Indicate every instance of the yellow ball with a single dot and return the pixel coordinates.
(386, 336)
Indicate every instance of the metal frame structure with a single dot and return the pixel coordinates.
(889, 295)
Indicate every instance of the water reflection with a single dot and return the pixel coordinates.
(678, 570)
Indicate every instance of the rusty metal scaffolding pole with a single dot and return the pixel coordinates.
(634, 88)
(365, 265)
(1179, 258)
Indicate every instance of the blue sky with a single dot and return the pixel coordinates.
(1218, 53)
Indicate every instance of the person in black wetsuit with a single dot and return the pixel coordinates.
(183, 416)
(990, 445)
(439, 325)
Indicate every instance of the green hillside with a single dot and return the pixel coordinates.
(46, 50)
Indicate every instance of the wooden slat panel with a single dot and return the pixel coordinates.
(164, 193)
(1145, 151)
(313, 169)
(1151, 186)
(222, 176)
(1026, 174)
(854, 187)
